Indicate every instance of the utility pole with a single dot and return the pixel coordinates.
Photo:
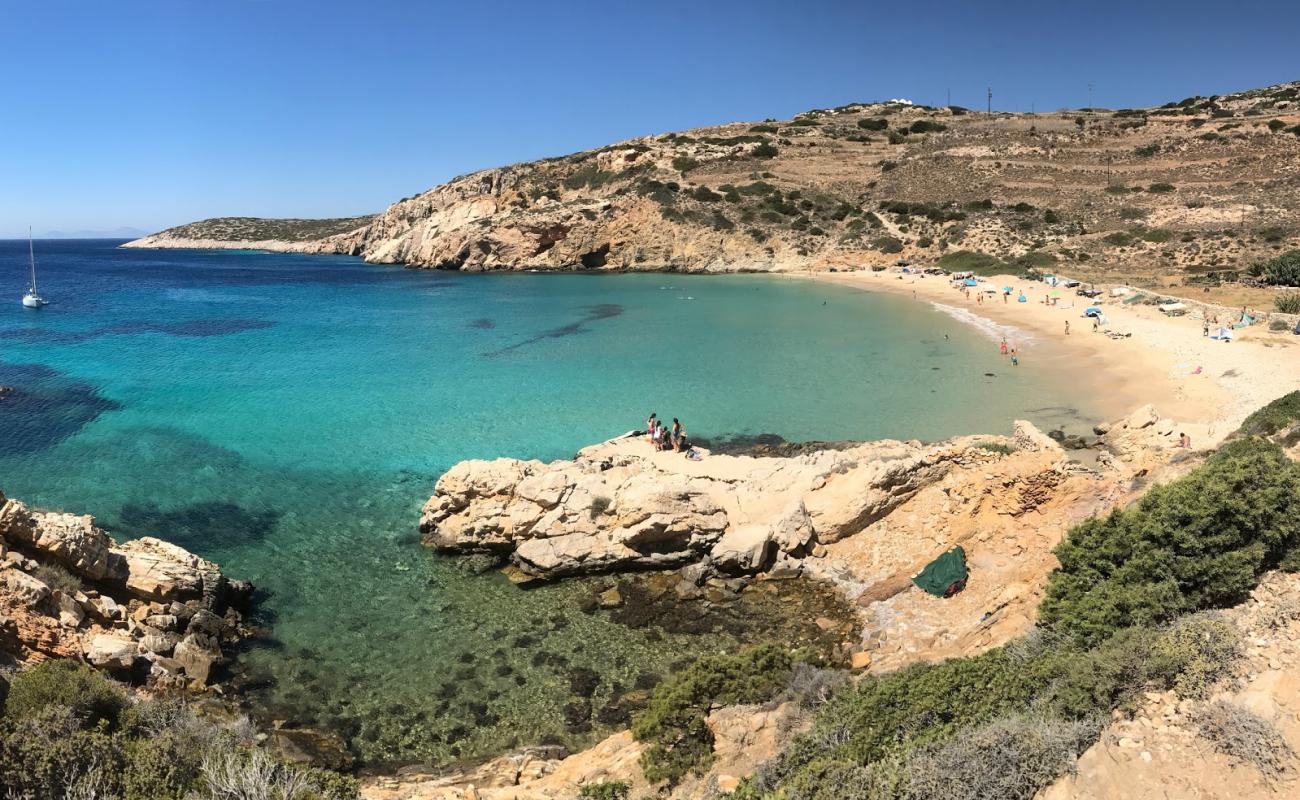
(990, 100)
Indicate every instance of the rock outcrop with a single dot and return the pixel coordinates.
(619, 506)
(144, 609)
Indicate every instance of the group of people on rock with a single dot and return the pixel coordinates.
(664, 438)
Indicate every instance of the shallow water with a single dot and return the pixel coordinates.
(287, 416)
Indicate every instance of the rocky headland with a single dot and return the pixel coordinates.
(864, 518)
(1154, 195)
(145, 611)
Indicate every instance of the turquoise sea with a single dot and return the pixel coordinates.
(287, 416)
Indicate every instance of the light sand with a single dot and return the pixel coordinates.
(1156, 365)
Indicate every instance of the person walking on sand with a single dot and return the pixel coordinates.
(1096, 324)
(1067, 327)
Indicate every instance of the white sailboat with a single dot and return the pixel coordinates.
(33, 298)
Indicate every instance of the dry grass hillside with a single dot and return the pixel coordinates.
(1191, 192)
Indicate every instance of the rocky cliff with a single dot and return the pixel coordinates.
(1200, 185)
(143, 610)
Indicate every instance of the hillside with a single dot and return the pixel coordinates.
(1169, 194)
(253, 229)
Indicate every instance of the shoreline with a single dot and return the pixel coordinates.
(1157, 365)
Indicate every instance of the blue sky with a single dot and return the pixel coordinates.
(149, 113)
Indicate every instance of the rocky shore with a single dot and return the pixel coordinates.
(145, 611)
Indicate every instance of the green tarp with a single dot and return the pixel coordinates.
(946, 575)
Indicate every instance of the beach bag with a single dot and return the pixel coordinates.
(946, 575)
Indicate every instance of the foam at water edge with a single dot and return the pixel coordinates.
(995, 331)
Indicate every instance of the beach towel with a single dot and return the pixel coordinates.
(946, 575)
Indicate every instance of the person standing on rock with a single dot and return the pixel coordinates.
(651, 426)
(677, 432)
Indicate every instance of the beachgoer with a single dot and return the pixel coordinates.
(1015, 362)
(1067, 327)
(677, 432)
(1005, 295)
(656, 437)
(1003, 347)
(1096, 324)
(650, 426)
(1184, 441)
(1205, 328)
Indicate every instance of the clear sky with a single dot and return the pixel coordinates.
(150, 113)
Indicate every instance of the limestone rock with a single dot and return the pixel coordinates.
(71, 539)
(158, 570)
(198, 654)
(29, 590)
(112, 651)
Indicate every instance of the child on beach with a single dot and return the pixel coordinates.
(1003, 347)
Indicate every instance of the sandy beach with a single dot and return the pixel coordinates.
(1206, 385)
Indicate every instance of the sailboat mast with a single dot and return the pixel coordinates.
(31, 257)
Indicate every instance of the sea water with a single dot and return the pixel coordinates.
(286, 416)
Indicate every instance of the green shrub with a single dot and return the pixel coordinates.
(927, 126)
(1276, 125)
(1281, 271)
(972, 261)
(980, 205)
(673, 723)
(873, 124)
(763, 128)
(1197, 543)
(1160, 188)
(764, 150)
(1146, 150)
(1240, 734)
(705, 195)
(997, 447)
(805, 122)
(605, 790)
(896, 138)
(1119, 239)
(93, 700)
(1132, 213)
(56, 576)
(1051, 217)
(1156, 235)
(599, 505)
(684, 163)
(1288, 303)
(1194, 653)
(888, 244)
(1277, 415)
(1121, 189)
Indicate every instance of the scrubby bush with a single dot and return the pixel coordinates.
(764, 150)
(1246, 737)
(927, 126)
(68, 732)
(1288, 303)
(1132, 213)
(1198, 543)
(684, 163)
(1194, 653)
(673, 723)
(1276, 125)
(1119, 239)
(705, 195)
(1277, 415)
(1156, 235)
(605, 790)
(997, 447)
(873, 124)
(1281, 271)
(1010, 759)
(1146, 150)
(888, 244)
(1160, 188)
(970, 260)
(56, 576)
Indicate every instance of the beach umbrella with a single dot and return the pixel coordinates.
(1007, 289)
(1091, 311)
(971, 282)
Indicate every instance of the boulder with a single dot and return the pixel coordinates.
(742, 550)
(70, 611)
(1141, 418)
(197, 654)
(160, 571)
(112, 651)
(26, 589)
(70, 538)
